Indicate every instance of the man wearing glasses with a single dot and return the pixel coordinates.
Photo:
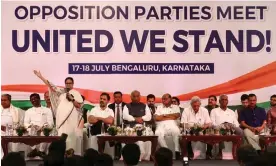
(253, 120)
(166, 117)
(176, 101)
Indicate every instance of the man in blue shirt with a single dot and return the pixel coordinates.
(253, 120)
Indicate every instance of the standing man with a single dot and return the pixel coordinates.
(272, 102)
(98, 116)
(38, 117)
(138, 113)
(224, 115)
(253, 120)
(166, 117)
(49, 105)
(195, 114)
(244, 102)
(176, 101)
(117, 108)
(271, 114)
(66, 103)
(152, 107)
(212, 103)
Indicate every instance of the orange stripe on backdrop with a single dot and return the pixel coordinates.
(90, 95)
(260, 78)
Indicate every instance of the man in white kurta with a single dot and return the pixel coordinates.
(38, 117)
(138, 113)
(65, 102)
(195, 114)
(222, 115)
(166, 117)
(10, 115)
(100, 114)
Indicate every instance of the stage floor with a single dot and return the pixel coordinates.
(176, 163)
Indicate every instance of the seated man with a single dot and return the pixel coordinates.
(196, 115)
(137, 113)
(166, 117)
(271, 114)
(223, 115)
(253, 120)
(10, 115)
(38, 117)
(98, 116)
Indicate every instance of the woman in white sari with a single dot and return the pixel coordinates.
(66, 103)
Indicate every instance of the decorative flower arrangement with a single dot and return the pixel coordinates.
(112, 130)
(47, 130)
(197, 129)
(20, 130)
(139, 129)
(119, 130)
(224, 130)
(129, 131)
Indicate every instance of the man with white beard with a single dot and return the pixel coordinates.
(195, 114)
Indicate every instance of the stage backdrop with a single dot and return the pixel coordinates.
(181, 48)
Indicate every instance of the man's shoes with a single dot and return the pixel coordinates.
(209, 156)
(41, 154)
(117, 151)
(69, 153)
(177, 155)
(33, 153)
(117, 158)
(260, 152)
(219, 156)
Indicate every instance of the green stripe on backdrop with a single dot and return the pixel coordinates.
(26, 104)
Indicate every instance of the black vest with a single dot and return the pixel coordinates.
(136, 110)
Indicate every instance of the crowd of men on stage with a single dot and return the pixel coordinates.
(166, 118)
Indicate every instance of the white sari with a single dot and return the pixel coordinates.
(67, 116)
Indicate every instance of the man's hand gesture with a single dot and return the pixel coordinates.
(37, 73)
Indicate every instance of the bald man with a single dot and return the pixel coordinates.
(138, 113)
(166, 117)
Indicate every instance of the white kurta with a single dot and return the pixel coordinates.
(98, 112)
(39, 116)
(145, 147)
(63, 108)
(201, 117)
(10, 116)
(219, 116)
(168, 127)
